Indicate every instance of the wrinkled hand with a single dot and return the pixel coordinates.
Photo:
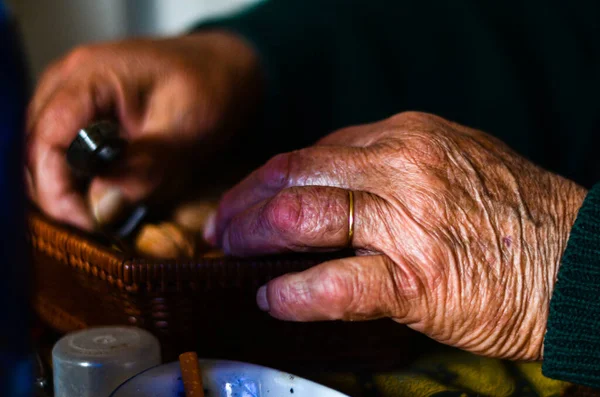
(457, 236)
(170, 96)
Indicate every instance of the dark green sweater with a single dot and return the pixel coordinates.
(527, 72)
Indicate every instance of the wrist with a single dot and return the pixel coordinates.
(555, 203)
(240, 77)
(569, 199)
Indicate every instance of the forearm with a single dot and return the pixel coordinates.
(290, 39)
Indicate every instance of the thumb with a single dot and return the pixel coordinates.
(357, 288)
(133, 180)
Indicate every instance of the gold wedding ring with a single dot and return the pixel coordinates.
(350, 217)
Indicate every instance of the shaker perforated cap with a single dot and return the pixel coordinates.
(95, 361)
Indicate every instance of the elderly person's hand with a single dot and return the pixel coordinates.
(457, 236)
(170, 96)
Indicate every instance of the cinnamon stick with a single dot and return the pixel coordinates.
(191, 375)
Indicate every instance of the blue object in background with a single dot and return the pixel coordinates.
(16, 376)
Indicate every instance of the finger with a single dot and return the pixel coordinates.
(300, 219)
(80, 62)
(54, 191)
(49, 82)
(343, 167)
(134, 180)
(357, 288)
(68, 111)
(84, 98)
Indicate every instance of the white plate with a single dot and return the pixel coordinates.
(223, 379)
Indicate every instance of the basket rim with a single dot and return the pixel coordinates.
(74, 248)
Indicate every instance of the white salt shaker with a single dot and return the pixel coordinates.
(95, 361)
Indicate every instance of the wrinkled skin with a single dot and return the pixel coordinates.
(457, 236)
(174, 98)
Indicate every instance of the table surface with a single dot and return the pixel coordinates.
(445, 371)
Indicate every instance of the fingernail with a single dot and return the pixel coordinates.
(210, 229)
(261, 299)
(108, 207)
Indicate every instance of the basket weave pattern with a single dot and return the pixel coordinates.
(207, 305)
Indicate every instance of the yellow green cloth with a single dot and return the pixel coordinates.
(449, 374)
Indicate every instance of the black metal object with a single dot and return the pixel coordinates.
(95, 148)
(93, 152)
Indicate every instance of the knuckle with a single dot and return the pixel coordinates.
(289, 169)
(276, 172)
(285, 212)
(299, 214)
(411, 118)
(422, 147)
(424, 139)
(337, 289)
(77, 57)
(58, 113)
(291, 295)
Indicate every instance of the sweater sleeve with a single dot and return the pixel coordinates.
(572, 343)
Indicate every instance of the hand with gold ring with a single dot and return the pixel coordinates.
(456, 235)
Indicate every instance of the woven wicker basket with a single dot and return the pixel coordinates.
(207, 305)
